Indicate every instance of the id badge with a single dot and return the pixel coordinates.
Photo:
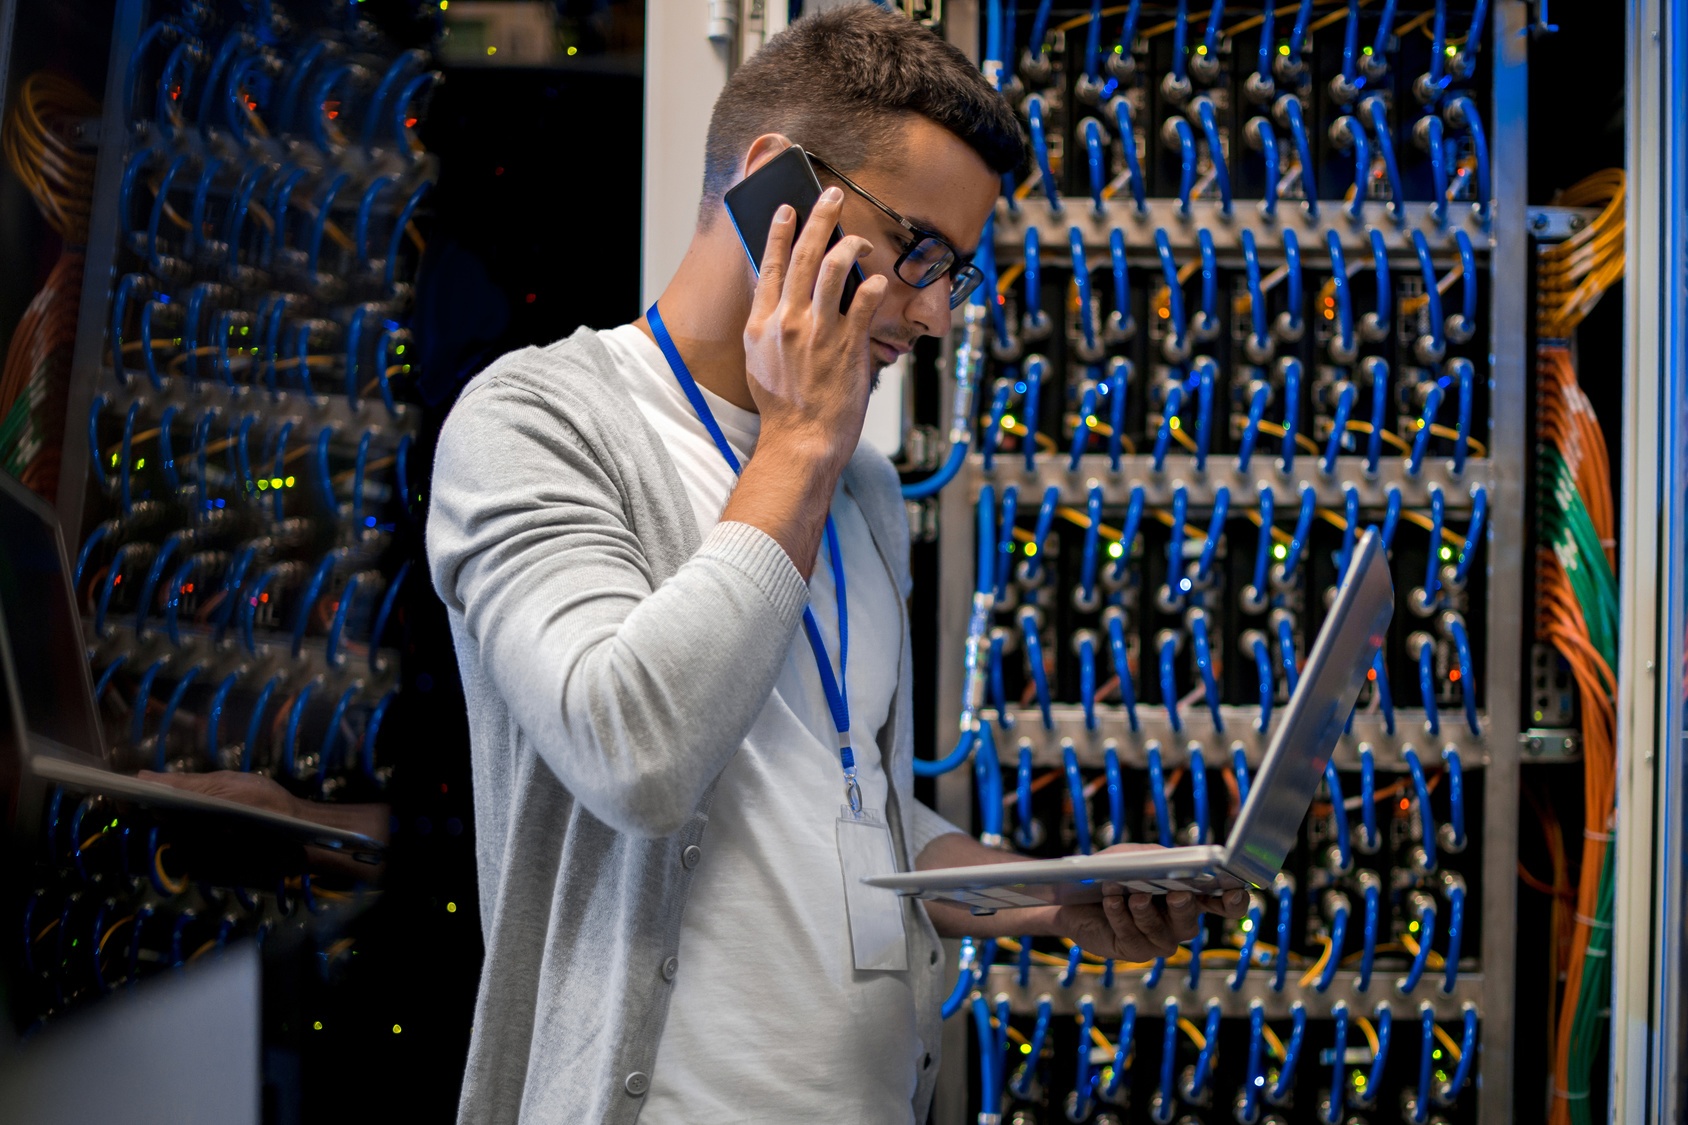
(875, 913)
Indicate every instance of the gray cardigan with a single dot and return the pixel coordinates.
(612, 664)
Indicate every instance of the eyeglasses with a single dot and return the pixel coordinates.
(928, 257)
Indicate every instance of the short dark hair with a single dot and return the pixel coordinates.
(840, 81)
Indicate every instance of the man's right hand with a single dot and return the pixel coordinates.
(810, 373)
(809, 366)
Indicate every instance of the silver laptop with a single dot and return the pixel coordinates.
(50, 732)
(1283, 788)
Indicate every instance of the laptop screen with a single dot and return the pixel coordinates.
(43, 629)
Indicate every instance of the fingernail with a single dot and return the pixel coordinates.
(1234, 898)
(832, 194)
(1178, 899)
(1139, 902)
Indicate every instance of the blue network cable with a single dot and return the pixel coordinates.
(1298, 539)
(332, 736)
(1128, 138)
(1437, 346)
(1084, 1079)
(1034, 322)
(1210, 683)
(1122, 1048)
(1035, 554)
(1289, 321)
(1376, 111)
(1425, 1098)
(1157, 794)
(1456, 929)
(1368, 795)
(1029, 404)
(1024, 835)
(1427, 821)
(1119, 378)
(1426, 932)
(1338, 933)
(168, 718)
(1258, 340)
(1292, 413)
(1040, 149)
(1290, 106)
(1463, 324)
(1379, 373)
(1021, 1087)
(1462, 113)
(1096, 150)
(1239, 767)
(1260, 129)
(1367, 1094)
(1169, 680)
(1005, 548)
(1350, 529)
(1245, 956)
(1128, 534)
(1456, 797)
(1197, 1090)
(1427, 686)
(1175, 292)
(1116, 793)
(964, 981)
(1034, 660)
(1286, 652)
(1169, 420)
(1198, 792)
(1280, 963)
(1421, 440)
(1215, 529)
(1115, 621)
(1339, 423)
(1467, 676)
(1081, 803)
(1369, 952)
(1343, 346)
(1166, 1096)
(1466, 375)
(1257, 596)
(1339, 817)
(1206, 373)
(1333, 1107)
(1254, 1079)
(988, 779)
(1263, 667)
(1086, 641)
(1355, 134)
(1081, 431)
(990, 1057)
(1176, 581)
(1215, 150)
(1292, 1055)
(1449, 1093)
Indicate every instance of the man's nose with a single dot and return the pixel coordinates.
(929, 310)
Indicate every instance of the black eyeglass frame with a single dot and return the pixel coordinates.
(963, 274)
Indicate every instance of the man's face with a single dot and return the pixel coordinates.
(938, 184)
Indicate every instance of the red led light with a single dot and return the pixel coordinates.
(498, 171)
(1371, 673)
(532, 297)
(1453, 676)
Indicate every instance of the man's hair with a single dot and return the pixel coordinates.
(843, 81)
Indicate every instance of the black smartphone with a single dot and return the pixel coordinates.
(751, 203)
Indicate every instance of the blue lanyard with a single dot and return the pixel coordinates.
(837, 688)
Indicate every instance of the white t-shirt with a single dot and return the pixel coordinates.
(770, 1021)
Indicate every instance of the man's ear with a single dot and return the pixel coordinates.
(762, 150)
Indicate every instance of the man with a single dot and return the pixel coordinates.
(663, 782)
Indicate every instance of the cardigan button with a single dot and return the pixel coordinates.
(637, 1083)
(689, 858)
(670, 967)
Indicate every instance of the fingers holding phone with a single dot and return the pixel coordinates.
(809, 365)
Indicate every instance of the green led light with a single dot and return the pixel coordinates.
(397, 1029)
(1447, 553)
(1280, 552)
(317, 1025)
(1201, 48)
(1437, 1053)
(399, 350)
(289, 482)
(114, 460)
(1284, 50)
(1008, 421)
(1412, 927)
(1116, 550)
(1365, 50)
(245, 330)
(263, 484)
(141, 463)
(1031, 549)
(1025, 1048)
(1119, 49)
(1450, 51)
(275, 482)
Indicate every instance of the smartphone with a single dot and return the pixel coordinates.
(751, 203)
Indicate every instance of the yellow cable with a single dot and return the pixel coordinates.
(1369, 1032)
(1312, 974)
(1273, 1043)
(1194, 1032)
(1448, 1042)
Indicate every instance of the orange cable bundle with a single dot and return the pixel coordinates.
(40, 140)
(1573, 275)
